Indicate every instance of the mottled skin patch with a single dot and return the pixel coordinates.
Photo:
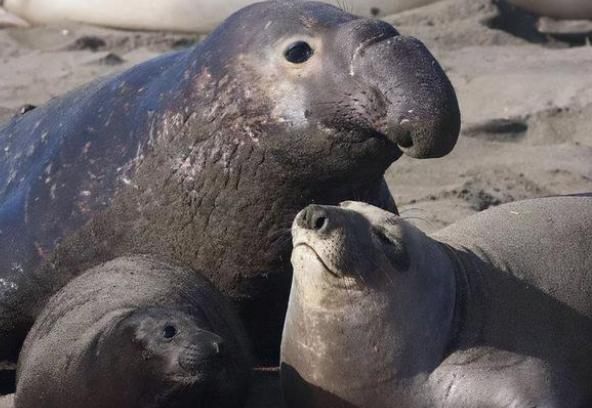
(494, 311)
(205, 156)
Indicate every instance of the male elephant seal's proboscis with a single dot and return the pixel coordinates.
(134, 332)
(205, 156)
(494, 311)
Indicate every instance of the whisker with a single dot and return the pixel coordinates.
(344, 5)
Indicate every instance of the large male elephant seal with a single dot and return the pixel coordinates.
(563, 9)
(199, 16)
(134, 333)
(494, 311)
(205, 156)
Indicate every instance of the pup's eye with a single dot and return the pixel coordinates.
(298, 52)
(381, 235)
(169, 332)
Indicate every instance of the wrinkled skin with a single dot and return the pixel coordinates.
(494, 311)
(205, 156)
(124, 336)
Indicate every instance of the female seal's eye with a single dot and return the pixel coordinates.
(393, 249)
(169, 332)
(299, 52)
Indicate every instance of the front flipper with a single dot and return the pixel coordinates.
(490, 378)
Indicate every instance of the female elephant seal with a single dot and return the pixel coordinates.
(134, 332)
(494, 311)
(205, 156)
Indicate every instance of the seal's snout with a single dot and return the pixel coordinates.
(314, 218)
(421, 115)
(205, 353)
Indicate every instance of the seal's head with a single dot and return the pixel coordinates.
(166, 356)
(371, 305)
(325, 90)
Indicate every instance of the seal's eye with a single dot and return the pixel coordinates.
(381, 234)
(298, 52)
(393, 249)
(169, 332)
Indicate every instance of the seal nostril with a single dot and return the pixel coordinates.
(320, 222)
(314, 218)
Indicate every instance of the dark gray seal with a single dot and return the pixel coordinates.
(134, 333)
(494, 311)
(205, 156)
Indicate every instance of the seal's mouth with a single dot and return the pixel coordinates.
(372, 135)
(400, 137)
(319, 258)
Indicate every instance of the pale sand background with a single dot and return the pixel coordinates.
(526, 101)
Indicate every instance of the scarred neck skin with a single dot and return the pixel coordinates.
(211, 187)
(231, 178)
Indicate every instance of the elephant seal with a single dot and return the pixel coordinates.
(564, 9)
(9, 20)
(493, 311)
(205, 156)
(134, 332)
(197, 16)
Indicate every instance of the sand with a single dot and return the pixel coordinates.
(526, 100)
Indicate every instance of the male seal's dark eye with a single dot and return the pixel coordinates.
(169, 332)
(298, 52)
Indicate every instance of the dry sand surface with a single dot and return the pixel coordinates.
(526, 100)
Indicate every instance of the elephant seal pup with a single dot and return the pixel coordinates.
(564, 9)
(205, 156)
(133, 333)
(494, 311)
